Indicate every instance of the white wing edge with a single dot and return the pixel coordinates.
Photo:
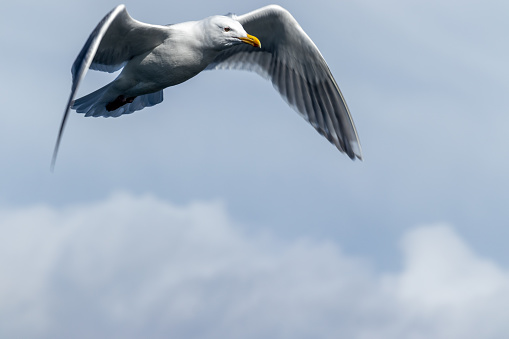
(87, 55)
(285, 15)
(283, 12)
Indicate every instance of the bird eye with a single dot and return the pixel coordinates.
(226, 29)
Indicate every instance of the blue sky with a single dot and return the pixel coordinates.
(284, 211)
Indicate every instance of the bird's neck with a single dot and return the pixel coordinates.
(188, 53)
(191, 34)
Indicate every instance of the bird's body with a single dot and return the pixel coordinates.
(178, 58)
(182, 52)
(150, 72)
(154, 57)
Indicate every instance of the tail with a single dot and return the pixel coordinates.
(94, 104)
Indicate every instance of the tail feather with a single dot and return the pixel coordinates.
(94, 104)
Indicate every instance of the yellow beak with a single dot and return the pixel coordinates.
(252, 40)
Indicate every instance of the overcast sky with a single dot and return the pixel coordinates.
(212, 216)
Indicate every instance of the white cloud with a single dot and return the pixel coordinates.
(447, 290)
(141, 267)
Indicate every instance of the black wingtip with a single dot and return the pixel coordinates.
(60, 133)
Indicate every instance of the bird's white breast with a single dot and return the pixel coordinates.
(178, 59)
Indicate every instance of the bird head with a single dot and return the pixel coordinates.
(224, 32)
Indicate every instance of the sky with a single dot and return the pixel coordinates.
(207, 216)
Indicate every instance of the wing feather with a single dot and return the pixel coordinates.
(296, 68)
(114, 41)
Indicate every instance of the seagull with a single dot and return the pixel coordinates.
(153, 57)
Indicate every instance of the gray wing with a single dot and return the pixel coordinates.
(115, 40)
(294, 65)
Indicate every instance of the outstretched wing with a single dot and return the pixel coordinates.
(115, 40)
(296, 68)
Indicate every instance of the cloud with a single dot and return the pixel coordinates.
(134, 266)
(446, 290)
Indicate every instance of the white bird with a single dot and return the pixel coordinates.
(154, 57)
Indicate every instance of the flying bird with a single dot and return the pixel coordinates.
(153, 57)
